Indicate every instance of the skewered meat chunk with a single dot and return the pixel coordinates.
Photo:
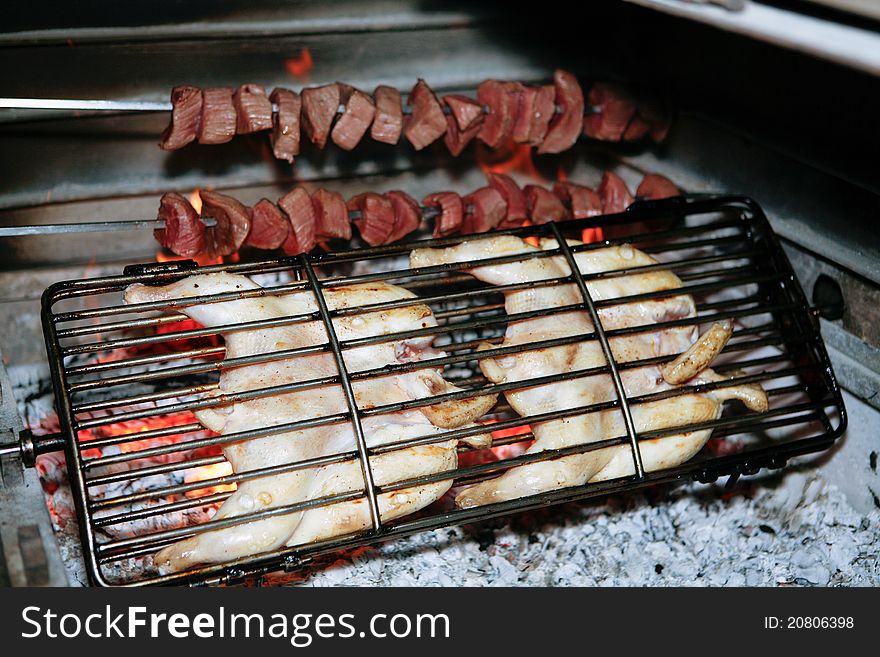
(353, 124)
(297, 205)
(577, 391)
(464, 122)
(184, 233)
(253, 109)
(484, 210)
(536, 107)
(636, 129)
(582, 201)
(427, 123)
(548, 116)
(616, 109)
(269, 227)
(654, 186)
(517, 210)
(407, 215)
(623, 116)
(218, 116)
(544, 205)
(388, 122)
(377, 217)
(331, 215)
(565, 127)
(614, 193)
(319, 105)
(502, 100)
(186, 117)
(657, 117)
(233, 223)
(456, 140)
(466, 111)
(660, 130)
(451, 215)
(285, 126)
(292, 486)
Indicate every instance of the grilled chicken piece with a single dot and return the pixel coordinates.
(292, 487)
(699, 355)
(579, 391)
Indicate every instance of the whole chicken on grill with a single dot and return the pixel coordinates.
(583, 355)
(314, 401)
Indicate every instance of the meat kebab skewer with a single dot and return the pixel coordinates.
(549, 117)
(300, 220)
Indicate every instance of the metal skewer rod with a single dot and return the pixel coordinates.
(86, 105)
(154, 224)
(90, 227)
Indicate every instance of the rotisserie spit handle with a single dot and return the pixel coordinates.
(28, 446)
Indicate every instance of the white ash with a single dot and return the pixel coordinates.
(797, 530)
(791, 530)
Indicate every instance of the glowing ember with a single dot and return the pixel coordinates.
(590, 235)
(301, 65)
(131, 427)
(512, 431)
(53, 470)
(501, 452)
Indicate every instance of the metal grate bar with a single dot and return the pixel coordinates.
(345, 381)
(422, 440)
(228, 398)
(116, 392)
(463, 474)
(347, 256)
(404, 367)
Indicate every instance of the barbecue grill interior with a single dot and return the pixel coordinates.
(750, 118)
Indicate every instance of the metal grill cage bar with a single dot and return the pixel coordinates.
(126, 386)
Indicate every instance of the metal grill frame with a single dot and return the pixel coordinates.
(826, 397)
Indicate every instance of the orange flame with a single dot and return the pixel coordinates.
(301, 65)
(205, 472)
(201, 259)
(510, 158)
(195, 200)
